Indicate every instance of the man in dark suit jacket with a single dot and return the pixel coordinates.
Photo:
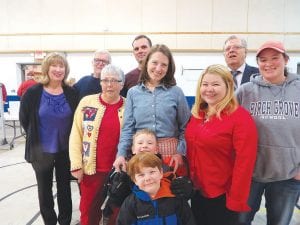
(235, 52)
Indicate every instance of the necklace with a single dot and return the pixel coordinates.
(206, 118)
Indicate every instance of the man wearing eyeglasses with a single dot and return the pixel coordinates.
(235, 52)
(141, 46)
(90, 84)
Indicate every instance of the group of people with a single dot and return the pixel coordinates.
(232, 143)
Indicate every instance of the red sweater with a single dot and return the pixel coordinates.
(221, 155)
(108, 136)
(4, 93)
(24, 86)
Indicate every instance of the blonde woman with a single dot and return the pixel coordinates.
(221, 150)
(46, 114)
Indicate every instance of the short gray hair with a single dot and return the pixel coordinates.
(112, 69)
(232, 37)
(104, 52)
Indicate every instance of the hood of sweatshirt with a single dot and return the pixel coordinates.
(276, 89)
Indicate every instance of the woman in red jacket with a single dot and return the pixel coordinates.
(221, 149)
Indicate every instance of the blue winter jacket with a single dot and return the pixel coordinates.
(166, 209)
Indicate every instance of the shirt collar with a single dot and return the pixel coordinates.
(159, 86)
(242, 68)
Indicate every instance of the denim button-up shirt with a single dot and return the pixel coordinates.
(165, 111)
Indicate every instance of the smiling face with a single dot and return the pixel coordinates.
(141, 48)
(144, 143)
(157, 67)
(148, 179)
(234, 53)
(111, 86)
(271, 65)
(213, 89)
(56, 72)
(99, 62)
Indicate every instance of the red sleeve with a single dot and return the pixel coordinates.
(190, 133)
(4, 93)
(20, 90)
(245, 146)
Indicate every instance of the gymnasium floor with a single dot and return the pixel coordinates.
(18, 191)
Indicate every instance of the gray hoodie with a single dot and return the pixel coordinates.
(276, 111)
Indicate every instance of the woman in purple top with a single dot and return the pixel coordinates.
(46, 114)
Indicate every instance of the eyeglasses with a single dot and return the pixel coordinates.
(233, 47)
(106, 81)
(100, 61)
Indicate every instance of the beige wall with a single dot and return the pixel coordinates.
(184, 25)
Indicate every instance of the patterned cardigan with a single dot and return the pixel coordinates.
(84, 133)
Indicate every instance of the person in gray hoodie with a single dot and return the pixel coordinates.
(273, 99)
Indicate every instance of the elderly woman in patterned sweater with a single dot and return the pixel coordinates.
(94, 139)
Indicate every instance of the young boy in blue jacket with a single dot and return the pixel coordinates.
(119, 185)
(152, 201)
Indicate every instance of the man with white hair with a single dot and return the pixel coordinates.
(235, 52)
(90, 84)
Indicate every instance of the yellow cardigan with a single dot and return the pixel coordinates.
(84, 133)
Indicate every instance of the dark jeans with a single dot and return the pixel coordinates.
(280, 197)
(44, 175)
(212, 211)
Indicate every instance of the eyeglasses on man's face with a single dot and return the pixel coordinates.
(112, 81)
(103, 61)
(233, 48)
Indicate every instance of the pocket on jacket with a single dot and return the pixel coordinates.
(275, 162)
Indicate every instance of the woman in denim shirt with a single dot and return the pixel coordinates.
(158, 104)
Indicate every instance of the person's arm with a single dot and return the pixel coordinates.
(25, 110)
(4, 93)
(126, 134)
(245, 146)
(75, 142)
(78, 174)
(297, 177)
(183, 116)
(20, 90)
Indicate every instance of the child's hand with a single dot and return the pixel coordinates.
(120, 164)
(175, 161)
(182, 187)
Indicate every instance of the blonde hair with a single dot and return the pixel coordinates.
(141, 160)
(144, 131)
(50, 59)
(228, 104)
